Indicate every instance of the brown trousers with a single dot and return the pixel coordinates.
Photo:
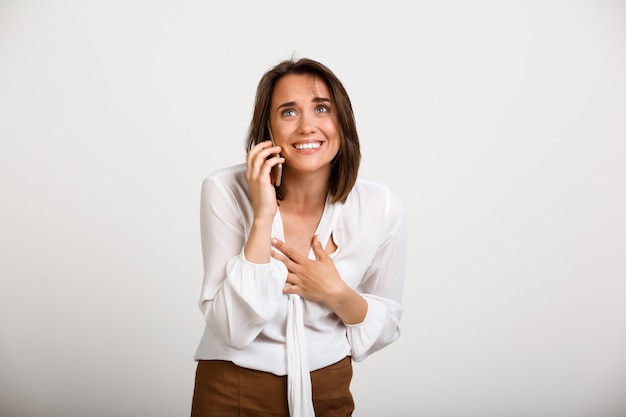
(223, 389)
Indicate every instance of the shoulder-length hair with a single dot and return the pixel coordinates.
(345, 165)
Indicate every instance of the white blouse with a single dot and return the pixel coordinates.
(250, 322)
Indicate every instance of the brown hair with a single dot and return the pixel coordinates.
(345, 165)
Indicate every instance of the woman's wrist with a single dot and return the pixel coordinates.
(258, 247)
(349, 306)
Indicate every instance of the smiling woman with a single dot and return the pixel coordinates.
(295, 287)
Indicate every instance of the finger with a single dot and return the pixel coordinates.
(262, 150)
(287, 250)
(275, 160)
(254, 151)
(292, 289)
(280, 257)
(318, 249)
(292, 266)
(259, 147)
(292, 279)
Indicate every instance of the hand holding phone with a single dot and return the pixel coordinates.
(277, 170)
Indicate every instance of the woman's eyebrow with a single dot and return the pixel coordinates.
(313, 100)
(287, 104)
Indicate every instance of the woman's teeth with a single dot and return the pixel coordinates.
(307, 146)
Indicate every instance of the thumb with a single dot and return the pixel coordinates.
(319, 251)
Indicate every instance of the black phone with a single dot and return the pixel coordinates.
(277, 170)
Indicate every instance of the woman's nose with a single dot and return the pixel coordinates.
(307, 124)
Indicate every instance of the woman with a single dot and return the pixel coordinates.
(302, 273)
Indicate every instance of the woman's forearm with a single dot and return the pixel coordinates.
(349, 306)
(258, 247)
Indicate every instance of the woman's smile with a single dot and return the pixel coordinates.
(307, 146)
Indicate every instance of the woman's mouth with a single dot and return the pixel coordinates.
(307, 146)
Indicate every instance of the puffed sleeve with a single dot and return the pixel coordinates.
(382, 286)
(238, 297)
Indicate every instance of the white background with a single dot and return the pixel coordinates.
(501, 124)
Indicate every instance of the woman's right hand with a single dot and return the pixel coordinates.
(258, 177)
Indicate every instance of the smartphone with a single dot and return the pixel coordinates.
(277, 170)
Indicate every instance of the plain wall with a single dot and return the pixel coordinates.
(501, 124)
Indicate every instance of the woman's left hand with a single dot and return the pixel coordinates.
(316, 280)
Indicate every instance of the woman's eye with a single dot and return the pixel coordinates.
(289, 112)
(321, 109)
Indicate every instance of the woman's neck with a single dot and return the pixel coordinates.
(305, 195)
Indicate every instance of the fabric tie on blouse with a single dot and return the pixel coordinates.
(299, 390)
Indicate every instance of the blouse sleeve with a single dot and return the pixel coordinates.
(238, 297)
(382, 287)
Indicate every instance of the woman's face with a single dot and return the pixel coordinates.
(304, 123)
